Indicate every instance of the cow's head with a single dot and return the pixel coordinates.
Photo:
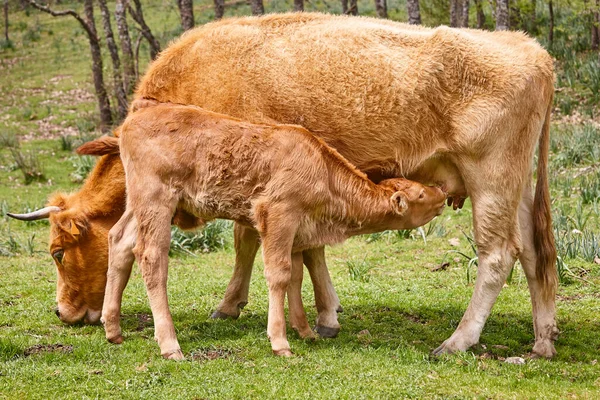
(413, 203)
(79, 225)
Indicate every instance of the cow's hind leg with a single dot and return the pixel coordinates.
(495, 198)
(543, 305)
(246, 243)
(121, 240)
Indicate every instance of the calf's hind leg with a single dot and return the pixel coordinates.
(298, 319)
(246, 243)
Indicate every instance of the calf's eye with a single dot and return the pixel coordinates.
(58, 255)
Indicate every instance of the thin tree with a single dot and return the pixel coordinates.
(89, 27)
(138, 16)
(464, 21)
(381, 8)
(257, 7)
(129, 74)
(298, 5)
(219, 8)
(186, 11)
(414, 12)
(551, 24)
(6, 21)
(455, 13)
(480, 14)
(595, 27)
(502, 15)
(353, 9)
(116, 62)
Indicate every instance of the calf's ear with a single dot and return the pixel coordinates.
(399, 202)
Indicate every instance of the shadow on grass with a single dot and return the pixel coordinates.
(421, 329)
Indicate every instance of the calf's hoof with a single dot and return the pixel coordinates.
(339, 309)
(327, 332)
(283, 353)
(176, 355)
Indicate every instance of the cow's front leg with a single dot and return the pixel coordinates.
(152, 252)
(298, 319)
(121, 239)
(326, 299)
(246, 243)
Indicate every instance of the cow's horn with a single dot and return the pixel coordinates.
(39, 214)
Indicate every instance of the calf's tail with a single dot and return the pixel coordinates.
(100, 147)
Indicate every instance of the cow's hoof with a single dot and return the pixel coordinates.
(176, 355)
(115, 339)
(327, 332)
(283, 353)
(339, 309)
(543, 349)
(221, 315)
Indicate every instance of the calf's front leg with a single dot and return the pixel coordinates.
(152, 252)
(121, 240)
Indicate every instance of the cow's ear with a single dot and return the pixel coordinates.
(399, 203)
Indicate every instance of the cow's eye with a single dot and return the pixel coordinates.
(58, 255)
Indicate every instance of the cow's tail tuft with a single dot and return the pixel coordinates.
(100, 147)
(543, 237)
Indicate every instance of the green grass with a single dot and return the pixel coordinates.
(397, 305)
(396, 310)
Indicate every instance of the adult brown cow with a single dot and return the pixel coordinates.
(440, 105)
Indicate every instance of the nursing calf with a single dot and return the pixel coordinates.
(297, 192)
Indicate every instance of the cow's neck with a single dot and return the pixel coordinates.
(103, 193)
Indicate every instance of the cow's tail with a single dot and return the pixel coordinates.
(102, 146)
(543, 237)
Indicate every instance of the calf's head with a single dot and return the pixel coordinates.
(413, 203)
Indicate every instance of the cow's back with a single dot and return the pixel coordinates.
(372, 89)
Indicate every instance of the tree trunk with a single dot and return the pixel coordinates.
(414, 12)
(381, 8)
(532, 21)
(129, 75)
(103, 102)
(6, 21)
(551, 24)
(186, 11)
(90, 29)
(502, 15)
(344, 6)
(219, 9)
(257, 7)
(455, 13)
(480, 14)
(465, 14)
(298, 5)
(138, 17)
(353, 8)
(514, 16)
(595, 26)
(114, 55)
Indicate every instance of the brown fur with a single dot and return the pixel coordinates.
(290, 186)
(461, 108)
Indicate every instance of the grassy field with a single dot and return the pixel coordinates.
(398, 305)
